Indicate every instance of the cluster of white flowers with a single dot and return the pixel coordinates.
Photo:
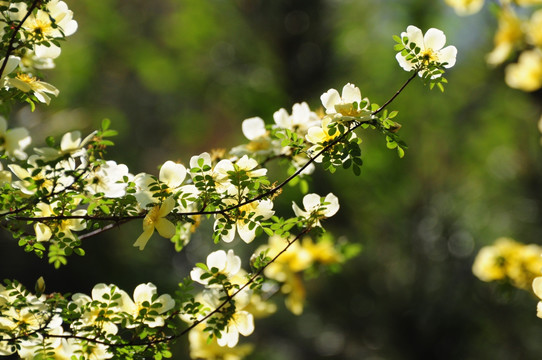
(64, 190)
(23, 314)
(54, 21)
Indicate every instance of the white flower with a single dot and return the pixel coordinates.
(144, 298)
(12, 63)
(228, 264)
(70, 143)
(241, 322)
(30, 346)
(432, 50)
(66, 226)
(201, 166)
(45, 177)
(246, 164)
(349, 103)
(301, 119)
(317, 208)
(108, 179)
(13, 141)
(254, 128)
(92, 312)
(247, 220)
(41, 21)
(171, 174)
(260, 143)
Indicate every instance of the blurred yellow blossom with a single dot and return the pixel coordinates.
(533, 29)
(510, 261)
(526, 74)
(203, 348)
(322, 251)
(465, 7)
(508, 35)
(288, 267)
(537, 289)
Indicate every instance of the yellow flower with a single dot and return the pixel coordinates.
(508, 35)
(28, 83)
(156, 219)
(286, 268)
(465, 7)
(202, 348)
(526, 74)
(533, 29)
(509, 260)
(537, 289)
(322, 251)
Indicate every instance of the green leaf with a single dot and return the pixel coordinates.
(79, 251)
(356, 169)
(105, 124)
(105, 209)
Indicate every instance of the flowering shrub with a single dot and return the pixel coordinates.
(55, 197)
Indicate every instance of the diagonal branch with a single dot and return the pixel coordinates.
(11, 45)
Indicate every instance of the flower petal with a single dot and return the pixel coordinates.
(448, 55)
(244, 322)
(245, 233)
(172, 174)
(253, 128)
(217, 259)
(434, 39)
(144, 292)
(144, 238)
(351, 94)
(330, 99)
(165, 228)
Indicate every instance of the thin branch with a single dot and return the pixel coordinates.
(396, 93)
(14, 36)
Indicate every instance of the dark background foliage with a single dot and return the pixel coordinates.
(177, 77)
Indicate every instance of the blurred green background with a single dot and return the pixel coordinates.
(177, 77)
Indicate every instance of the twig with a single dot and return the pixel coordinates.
(14, 36)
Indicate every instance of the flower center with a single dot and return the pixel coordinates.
(350, 109)
(152, 216)
(40, 27)
(428, 56)
(26, 78)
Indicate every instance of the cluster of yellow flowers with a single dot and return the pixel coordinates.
(510, 261)
(515, 34)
